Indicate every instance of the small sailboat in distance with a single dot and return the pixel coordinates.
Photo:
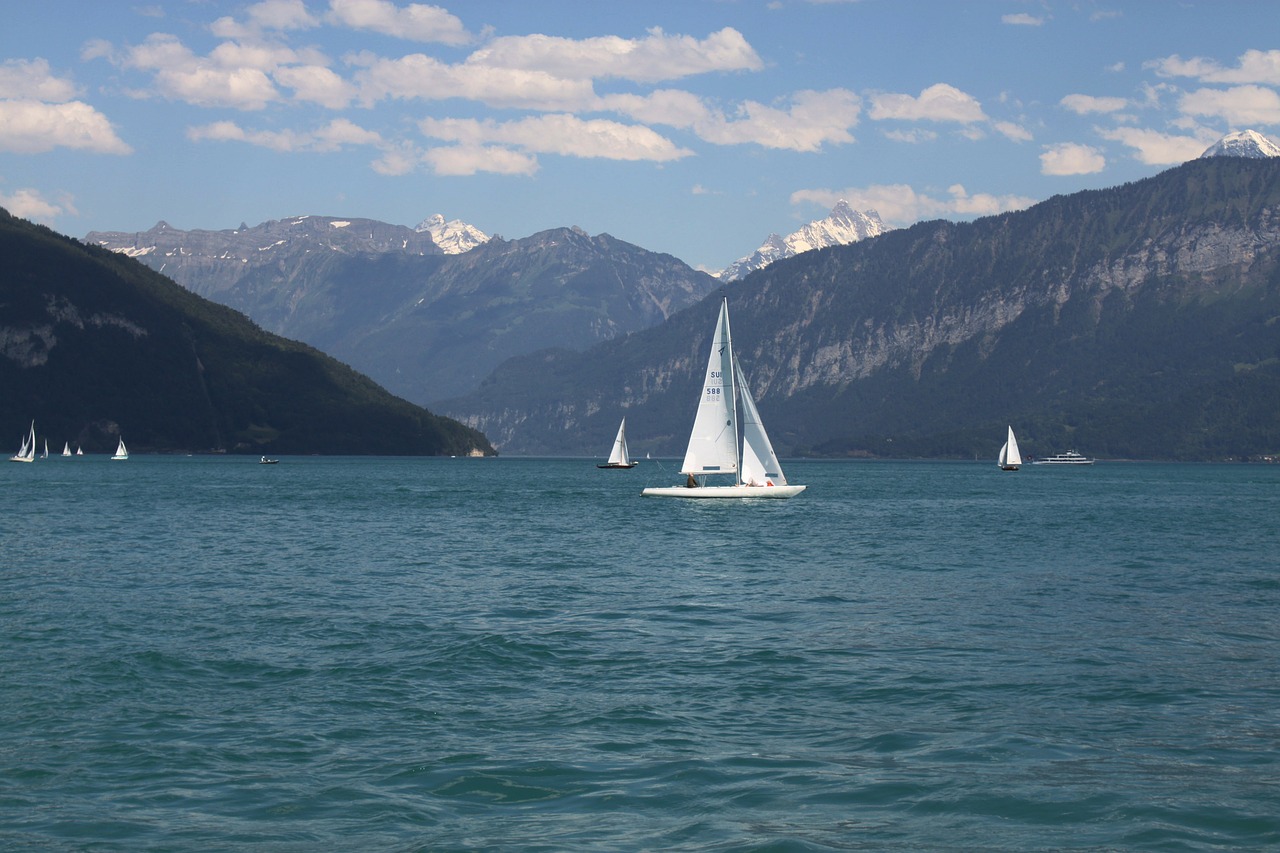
(1010, 458)
(66, 448)
(618, 457)
(27, 453)
(122, 452)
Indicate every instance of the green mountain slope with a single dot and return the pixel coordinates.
(93, 344)
(1138, 321)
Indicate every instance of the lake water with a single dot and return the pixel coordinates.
(519, 654)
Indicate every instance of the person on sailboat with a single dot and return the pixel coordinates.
(691, 482)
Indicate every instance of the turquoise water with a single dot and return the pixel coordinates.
(457, 654)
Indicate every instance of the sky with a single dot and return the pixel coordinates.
(690, 127)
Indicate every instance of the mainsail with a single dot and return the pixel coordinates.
(619, 454)
(713, 443)
(1010, 458)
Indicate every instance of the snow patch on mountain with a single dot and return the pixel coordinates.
(453, 237)
(1243, 143)
(842, 226)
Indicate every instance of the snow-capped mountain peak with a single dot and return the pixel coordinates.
(453, 237)
(1243, 143)
(842, 226)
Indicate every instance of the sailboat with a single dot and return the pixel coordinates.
(1010, 458)
(66, 448)
(27, 453)
(714, 447)
(46, 449)
(618, 458)
(121, 451)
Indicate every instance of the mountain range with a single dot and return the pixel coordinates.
(453, 237)
(842, 226)
(1243, 143)
(1137, 321)
(423, 324)
(890, 344)
(95, 345)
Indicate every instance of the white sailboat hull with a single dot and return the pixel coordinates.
(742, 491)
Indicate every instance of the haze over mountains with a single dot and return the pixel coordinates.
(902, 342)
(424, 324)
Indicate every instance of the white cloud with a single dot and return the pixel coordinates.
(1022, 19)
(33, 127)
(1070, 158)
(1085, 104)
(1254, 66)
(672, 107)
(811, 120)
(281, 15)
(983, 204)
(237, 74)
(1160, 149)
(901, 205)
(939, 102)
(560, 134)
(415, 22)
(30, 204)
(1239, 106)
(267, 15)
(398, 159)
(22, 79)
(914, 136)
(316, 84)
(221, 80)
(806, 122)
(468, 160)
(419, 76)
(548, 73)
(1011, 131)
(333, 136)
(657, 57)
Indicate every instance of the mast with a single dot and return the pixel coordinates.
(733, 397)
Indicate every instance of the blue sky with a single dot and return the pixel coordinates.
(692, 127)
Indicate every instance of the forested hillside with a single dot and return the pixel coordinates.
(94, 344)
(1138, 321)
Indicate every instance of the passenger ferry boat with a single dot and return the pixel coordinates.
(1068, 458)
